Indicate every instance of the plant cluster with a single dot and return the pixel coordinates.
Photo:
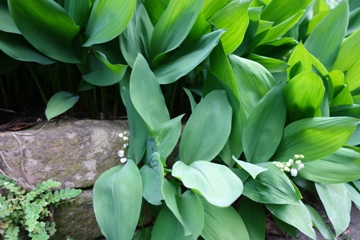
(265, 80)
(30, 211)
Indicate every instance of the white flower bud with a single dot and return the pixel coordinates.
(293, 172)
(121, 135)
(300, 166)
(125, 138)
(286, 169)
(123, 160)
(121, 153)
(291, 161)
(288, 164)
(298, 162)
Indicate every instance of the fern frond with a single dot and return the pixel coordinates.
(41, 188)
(64, 194)
(12, 232)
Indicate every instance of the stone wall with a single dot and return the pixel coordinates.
(73, 152)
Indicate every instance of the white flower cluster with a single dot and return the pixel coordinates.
(293, 165)
(122, 151)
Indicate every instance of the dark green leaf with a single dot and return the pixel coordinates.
(6, 22)
(79, 10)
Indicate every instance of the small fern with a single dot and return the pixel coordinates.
(30, 211)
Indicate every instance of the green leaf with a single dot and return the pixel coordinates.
(307, 102)
(210, 120)
(219, 220)
(354, 193)
(211, 7)
(253, 215)
(295, 215)
(60, 103)
(155, 9)
(320, 224)
(102, 72)
(253, 81)
(348, 61)
(168, 227)
(264, 126)
(152, 178)
(315, 137)
(210, 179)
(117, 201)
(146, 94)
(283, 9)
(252, 169)
(186, 58)
(79, 10)
(271, 186)
(271, 64)
(354, 21)
(234, 18)
(325, 40)
(136, 37)
(173, 26)
(56, 39)
(138, 128)
(18, 48)
(7, 24)
(337, 203)
(107, 20)
(341, 166)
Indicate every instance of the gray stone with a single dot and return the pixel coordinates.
(73, 152)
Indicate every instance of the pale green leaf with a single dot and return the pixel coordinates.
(173, 26)
(251, 168)
(102, 72)
(235, 20)
(337, 203)
(186, 58)
(315, 137)
(271, 186)
(210, 179)
(107, 20)
(304, 103)
(207, 129)
(339, 167)
(146, 94)
(296, 215)
(348, 61)
(253, 81)
(325, 40)
(7, 24)
(117, 201)
(264, 127)
(60, 103)
(219, 220)
(320, 224)
(271, 64)
(354, 193)
(48, 27)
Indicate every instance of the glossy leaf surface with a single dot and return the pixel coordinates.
(60, 103)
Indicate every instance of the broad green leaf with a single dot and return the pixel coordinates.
(315, 137)
(354, 21)
(271, 186)
(320, 224)
(173, 26)
(138, 128)
(167, 135)
(186, 207)
(253, 81)
(211, 7)
(79, 10)
(341, 166)
(186, 58)
(316, 19)
(117, 201)
(354, 193)
(168, 227)
(295, 215)
(60, 103)
(102, 72)
(107, 20)
(277, 31)
(304, 103)
(271, 64)
(6, 22)
(155, 9)
(337, 203)
(234, 18)
(136, 37)
(219, 220)
(308, 61)
(143, 234)
(348, 61)
(215, 182)
(325, 40)
(200, 28)
(253, 215)
(146, 94)
(211, 120)
(54, 38)
(342, 95)
(152, 178)
(15, 46)
(283, 9)
(264, 127)
(251, 168)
